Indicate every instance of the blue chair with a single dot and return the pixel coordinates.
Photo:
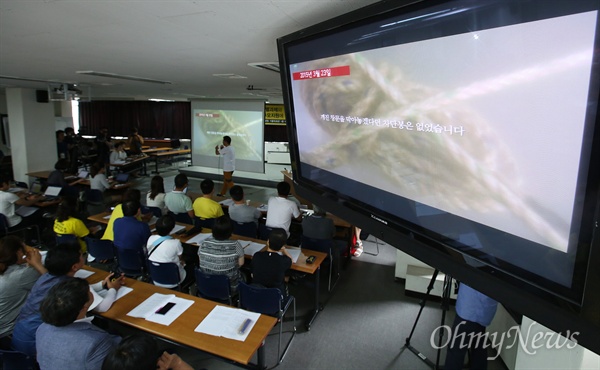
(156, 212)
(268, 301)
(66, 238)
(264, 231)
(102, 250)
(183, 218)
(326, 246)
(204, 223)
(14, 360)
(165, 273)
(244, 228)
(213, 287)
(131, 262)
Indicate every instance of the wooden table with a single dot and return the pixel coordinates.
(300, 265)
(130, 161)
(182, 329)
(154, 150)
(167, 153)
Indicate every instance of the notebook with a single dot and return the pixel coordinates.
(83, 174)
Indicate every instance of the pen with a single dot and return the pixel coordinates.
(244, 326)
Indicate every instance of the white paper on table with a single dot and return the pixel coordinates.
(151, 305)
(253, 247)
(106, 217)
(225, 322)
(227, 202)
(294, 252)
(263, 208)
(83, 274)
(180, 306)
(123, 290)
(198, 239)
(175, 229)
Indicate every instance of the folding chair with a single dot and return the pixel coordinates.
(14, 360)
(326, 246)
(268, 301)
(4, 228)
(66, 238)
(244, 228)
(165, 273)
(264, 231)
(213, 287)
(130, 262)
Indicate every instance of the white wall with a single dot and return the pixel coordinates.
(32, 133)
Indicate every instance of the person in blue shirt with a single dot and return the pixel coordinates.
(129, 233)
(474, 311)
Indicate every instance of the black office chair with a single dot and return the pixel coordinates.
(130, 262)
(94, 201)
(244, 228)
(14, 360)
(5, 229)
(165, 273)
(22, 185)
(269, 301)
(213, 287)
(326, 246)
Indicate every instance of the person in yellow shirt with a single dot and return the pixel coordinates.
(130, 194)
(66, 224)
(204, 207)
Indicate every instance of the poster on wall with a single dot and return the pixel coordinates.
(275, 114)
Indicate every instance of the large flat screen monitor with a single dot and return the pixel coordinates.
(466, 133)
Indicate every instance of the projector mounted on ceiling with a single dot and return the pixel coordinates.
(63, 92)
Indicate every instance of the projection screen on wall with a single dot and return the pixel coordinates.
(240, 120)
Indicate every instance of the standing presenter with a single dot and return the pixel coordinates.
(228, 153)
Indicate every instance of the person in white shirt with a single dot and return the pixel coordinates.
(98, 181)
(118, 155)
(164, 248)
(8, 201)
(228, 154)
(281, 210)
(156, 195)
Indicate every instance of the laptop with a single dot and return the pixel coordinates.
(122, 178)
(83, 174)
(52, 192)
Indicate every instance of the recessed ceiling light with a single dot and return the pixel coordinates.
(232, 76)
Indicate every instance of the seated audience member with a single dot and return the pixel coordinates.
(130, 233)
(57, 178)
(204, 207)
(220, 255)
(164, 248)
(281, 210)
(239, 211)
(156, 195)
(317, 225)
(61, 262)
(135, 142)
(269, 267)
(67, 339)
(99, 182)
(118, 154)
(177, 201)
(19, 270)
(67, 224)
(130, 194)
(7, 205)
(140, 352)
